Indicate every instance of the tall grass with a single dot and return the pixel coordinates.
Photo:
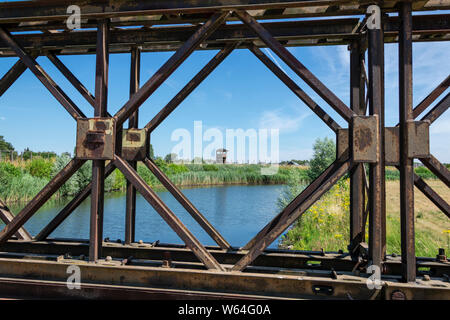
(24, 179)
(326, 225)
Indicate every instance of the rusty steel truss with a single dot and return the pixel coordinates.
(36, 265)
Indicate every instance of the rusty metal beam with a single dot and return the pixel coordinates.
(54, 89)
(37, 202)
(290, 33)
(69, 208)
(71, 78)
(432, 195)
(204, 281)
(272, 258)
(296, 66)
(12, 75)
(295, 210)
(437, 168)
(376, 177)
(98, 166)
(358, 105)
(333, 125)
(187, 11)
(190, 86)
(6, 216)
(406, 163)
(428, 100)
(169, 217)
(437, 110)
(190, 208)
(169, 67)
(133, 123)
(300, 198)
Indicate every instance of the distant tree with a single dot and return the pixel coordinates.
(170, 158)
(4, 145)
(152, 153)
(324, 155)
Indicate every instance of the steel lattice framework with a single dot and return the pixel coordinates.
(29, 29)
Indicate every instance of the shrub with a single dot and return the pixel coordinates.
(173, 168)
(324, 155)
(424, 173)
(71, 186)
(39, 168)
(210, 167)
(8, 169)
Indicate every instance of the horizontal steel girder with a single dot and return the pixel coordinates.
(174, 11)
(291, 33)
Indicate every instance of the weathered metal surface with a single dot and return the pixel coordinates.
(366, 146)
(358, 105)
(133, 123)
(408, 134)
(437, 168)
(12, 75)
(428, 100)
(95, 139)
(290, 33)
(104, 274)
(376, 103)
(438, 109)
(432, 195)
(168, 11)
(135, 146)
(342, 143)
(418, 142)
(6, 216)
(100, 151)
(418, 139)
(368, 140)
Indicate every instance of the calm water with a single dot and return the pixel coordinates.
(237, 212)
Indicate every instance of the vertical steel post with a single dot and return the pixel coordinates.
(376, 176)
(130, 218)
(98, 166)
(406, 162)
(382, 146)
(357, 104)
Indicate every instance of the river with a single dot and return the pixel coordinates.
(237, 212)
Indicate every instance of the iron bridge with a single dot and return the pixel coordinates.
(35, 265)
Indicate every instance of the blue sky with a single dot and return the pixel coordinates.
(240, 93)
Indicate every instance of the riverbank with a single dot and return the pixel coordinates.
(326, 223)
(22, 180)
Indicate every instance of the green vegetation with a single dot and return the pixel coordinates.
(324, 155)
(22, 180)
(326, 223)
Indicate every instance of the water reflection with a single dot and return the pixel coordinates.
(237, 212)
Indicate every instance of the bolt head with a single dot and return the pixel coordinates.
(398, 295)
